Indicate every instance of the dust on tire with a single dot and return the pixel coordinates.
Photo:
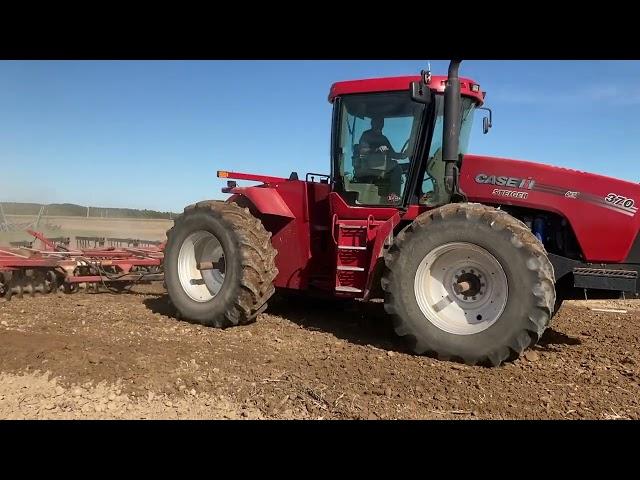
(530, 306)
(249, 256)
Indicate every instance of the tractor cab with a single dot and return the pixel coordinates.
(387, 144)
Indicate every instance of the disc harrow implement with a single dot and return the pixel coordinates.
(55, 267)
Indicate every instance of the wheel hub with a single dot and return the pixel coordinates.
(468, 285)
(201, 266)
(461, 288)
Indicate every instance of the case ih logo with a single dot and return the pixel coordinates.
(393, 198)
(513, 182)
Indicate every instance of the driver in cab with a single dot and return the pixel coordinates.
(373, 140)
(386, 175)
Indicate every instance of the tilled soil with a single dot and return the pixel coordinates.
(127, 356)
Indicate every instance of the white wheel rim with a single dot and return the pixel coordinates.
(201, 285)
(461, 313)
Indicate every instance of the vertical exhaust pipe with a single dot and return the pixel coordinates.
(451, 133)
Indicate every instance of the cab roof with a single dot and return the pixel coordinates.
(391, 84)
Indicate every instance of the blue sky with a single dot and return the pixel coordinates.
(151, 134)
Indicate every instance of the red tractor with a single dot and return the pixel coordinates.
(472, 255)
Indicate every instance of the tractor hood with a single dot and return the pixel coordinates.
(592, 203)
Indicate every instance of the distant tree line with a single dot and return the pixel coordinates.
(72, 210)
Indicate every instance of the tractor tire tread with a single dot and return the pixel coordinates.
(257, 259)
(520, 238)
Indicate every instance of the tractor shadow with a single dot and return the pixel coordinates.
(358, 323)
(552, 337)
(160, 304)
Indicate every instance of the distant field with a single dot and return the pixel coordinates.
(73, 210)
(143, 229)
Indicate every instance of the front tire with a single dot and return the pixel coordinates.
(469, 283)
(219, 264)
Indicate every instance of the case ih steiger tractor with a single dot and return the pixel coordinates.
(472, 255)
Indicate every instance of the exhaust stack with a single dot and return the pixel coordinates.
(451, 133)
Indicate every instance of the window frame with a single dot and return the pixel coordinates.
(425, 128)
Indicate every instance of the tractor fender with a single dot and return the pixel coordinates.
(266, 200)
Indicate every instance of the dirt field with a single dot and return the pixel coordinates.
(95, 227)
(126, 356)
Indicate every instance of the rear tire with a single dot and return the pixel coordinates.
(237, 289)
(511, 292)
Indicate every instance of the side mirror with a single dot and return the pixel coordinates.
(420, 93)
(486, 121)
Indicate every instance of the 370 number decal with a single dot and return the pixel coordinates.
(619, 201)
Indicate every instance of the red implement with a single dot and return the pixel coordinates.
(30, 270)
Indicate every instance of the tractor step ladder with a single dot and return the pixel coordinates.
(351, 238)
